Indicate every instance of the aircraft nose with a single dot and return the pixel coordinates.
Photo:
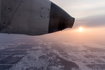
(59, 19)
(65, 22)
(70, 22)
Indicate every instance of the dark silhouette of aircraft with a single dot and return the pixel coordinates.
(32, 17)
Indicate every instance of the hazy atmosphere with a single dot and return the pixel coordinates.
(79, 48)
(87, 13)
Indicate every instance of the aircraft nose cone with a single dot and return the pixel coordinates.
(70, 22)
(65, 22)
(59, 19)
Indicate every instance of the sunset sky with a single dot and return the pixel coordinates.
(89, 21)
(88, 13)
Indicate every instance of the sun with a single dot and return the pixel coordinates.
(80, 29)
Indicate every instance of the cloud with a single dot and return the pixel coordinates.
(92, 21)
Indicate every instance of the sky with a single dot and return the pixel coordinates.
(88, 13)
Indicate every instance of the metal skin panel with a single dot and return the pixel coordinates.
(26, 16)
(32, 17)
